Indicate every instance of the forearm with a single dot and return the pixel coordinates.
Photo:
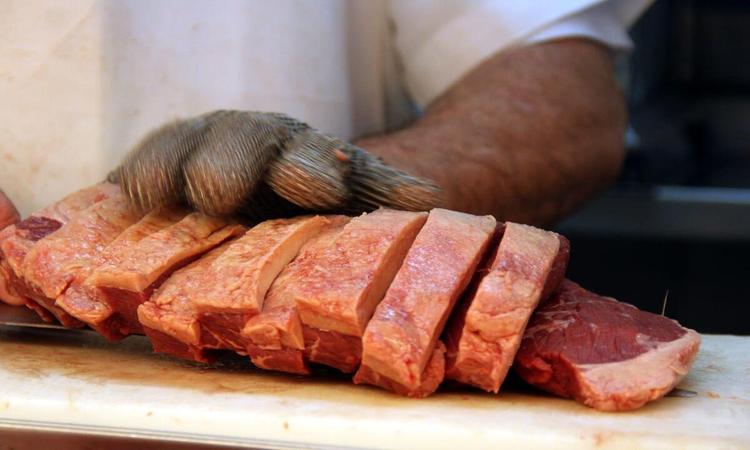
(527, 136)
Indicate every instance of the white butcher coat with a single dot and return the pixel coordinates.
(82, 80)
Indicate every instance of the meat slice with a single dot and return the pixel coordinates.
(252, 262)
(208, 304)
(55, 261)
(126, 281)
(603, 353)
(86, 302)
(402, 335)
(338, 294)
(16, 240)
(168, 317)
(275, 337)
(484, 333)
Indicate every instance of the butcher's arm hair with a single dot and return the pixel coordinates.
(529, 135)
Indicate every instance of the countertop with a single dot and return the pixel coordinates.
(70, 388)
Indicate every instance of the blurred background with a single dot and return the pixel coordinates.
(678, 220)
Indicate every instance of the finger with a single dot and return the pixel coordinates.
(311, 172)
(151, 173)
(226, 168)
(374, 183)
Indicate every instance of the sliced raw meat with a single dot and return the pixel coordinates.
(215, 298)
(339, 293)
(402, 335)
(168, 317)
(275, 337)
(86, 302)
(55, 261)
(484, 333)
(603, 353)
(128, 280)
(16, 240)
(247, 269)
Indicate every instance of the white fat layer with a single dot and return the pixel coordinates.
(629, 384)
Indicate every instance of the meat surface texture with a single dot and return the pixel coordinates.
(402, 335)
(346, 280)
(56, 261)
(124, 282)
(17, 240)
(485, 333)
(603, 353)
(244, 273)
(87, 303)
(169, 318)
(223, 289)
(275, 337)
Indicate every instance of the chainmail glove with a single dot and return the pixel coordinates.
(262, 165)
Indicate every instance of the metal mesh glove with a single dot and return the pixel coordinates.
(262, 165)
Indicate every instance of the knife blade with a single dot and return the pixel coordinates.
(15, 316)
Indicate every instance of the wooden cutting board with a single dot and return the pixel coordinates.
(78, 382)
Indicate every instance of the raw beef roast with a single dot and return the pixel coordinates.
(603, 353)
(485, 332)
(370, 294)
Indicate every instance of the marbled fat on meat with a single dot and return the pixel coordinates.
(402, 335)
(603, 353)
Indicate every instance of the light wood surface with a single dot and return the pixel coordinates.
(64, 380)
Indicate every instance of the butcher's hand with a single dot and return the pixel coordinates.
(262, 164)
(8, 212)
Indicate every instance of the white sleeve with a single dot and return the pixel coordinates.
(439, 42)
(605, 22)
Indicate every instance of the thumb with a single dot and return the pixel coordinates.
(8, 212)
